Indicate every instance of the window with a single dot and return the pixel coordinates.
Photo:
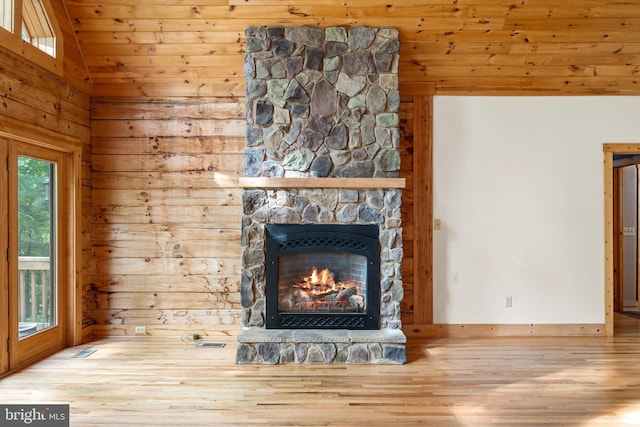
(38, 28)
(6, 14)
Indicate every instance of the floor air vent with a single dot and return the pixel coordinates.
(210, 344)
(83, 354)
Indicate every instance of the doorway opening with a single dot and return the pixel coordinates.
(621, 238)
(40, 298)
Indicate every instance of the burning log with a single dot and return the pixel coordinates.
(321, 296)
(346, 293)
(356, 301)
(320, 291)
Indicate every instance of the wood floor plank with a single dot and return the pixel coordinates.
(528, 381)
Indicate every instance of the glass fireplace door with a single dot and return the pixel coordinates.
(322, 282)
(324, 276)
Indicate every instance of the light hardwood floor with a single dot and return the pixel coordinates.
(447, 382)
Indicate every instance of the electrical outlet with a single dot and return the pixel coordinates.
(508, 302)
(190, 336)
(140, 330)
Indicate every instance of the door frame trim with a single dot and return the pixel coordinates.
(4, 266)
(609, 150)
(71, 148)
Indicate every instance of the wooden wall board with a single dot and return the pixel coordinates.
(166, 210)
(169, 301)
(159, 216)
(25, 87)
(166, 145)
(161, 127)
(147, 180)
(49, 102)
(202, 108)
(423, 192)
(474, 46)
(162, 283)
(167, 107)
(177, 321)
(224, 216)
(175, 266)
(157, 197)
(407, 147)
(168, 163)
(165, 248)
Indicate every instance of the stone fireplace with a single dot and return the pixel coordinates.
(321, 231)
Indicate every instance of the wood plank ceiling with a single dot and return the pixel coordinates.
(182, 48)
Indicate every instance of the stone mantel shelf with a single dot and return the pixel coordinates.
(361, 183)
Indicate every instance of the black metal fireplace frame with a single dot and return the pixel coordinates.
(284, 239)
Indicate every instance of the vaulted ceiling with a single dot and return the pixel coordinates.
(182, 48)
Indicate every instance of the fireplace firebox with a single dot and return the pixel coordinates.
(322, 276)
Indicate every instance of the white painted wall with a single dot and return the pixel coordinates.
(518, 185)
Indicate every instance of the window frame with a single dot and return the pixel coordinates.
(69, 239)
(13, 41)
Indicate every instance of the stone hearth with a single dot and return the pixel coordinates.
(322, 104)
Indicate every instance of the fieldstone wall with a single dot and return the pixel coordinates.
(322, 102)
(312, 347)
(320, 206)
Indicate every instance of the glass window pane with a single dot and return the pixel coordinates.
(36, 245)
(6, 14)
(37, 26)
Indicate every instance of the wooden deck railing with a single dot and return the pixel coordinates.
(35, 292)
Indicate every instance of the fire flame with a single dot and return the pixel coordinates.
(321, 283)
(319, 290)
(318, 281)
(325, 277)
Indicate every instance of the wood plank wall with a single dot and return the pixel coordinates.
(166, 213)
(175, 48)
(168, 110)
(35, 98)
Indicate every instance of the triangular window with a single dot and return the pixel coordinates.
(36, 27)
